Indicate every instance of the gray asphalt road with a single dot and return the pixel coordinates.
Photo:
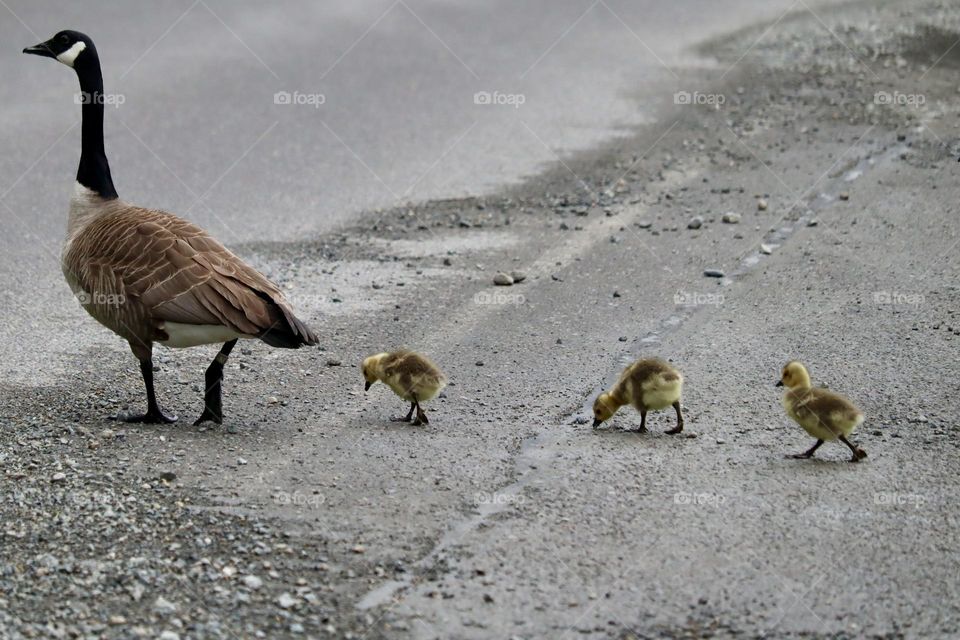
(398, 78)
(198, 132)
(508, 516)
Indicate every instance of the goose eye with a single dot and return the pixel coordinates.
(64, 38)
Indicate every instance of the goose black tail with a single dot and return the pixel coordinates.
(289, 332)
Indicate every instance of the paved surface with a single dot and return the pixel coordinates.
(508, 516)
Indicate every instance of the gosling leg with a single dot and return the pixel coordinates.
(643, 422)
(858, 453)
(408, 417)
(154, 414)
(213, 378)
(421, 415)
(679, 427)
(808, 453)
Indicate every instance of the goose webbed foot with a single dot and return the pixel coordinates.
(209, 415)
(154, 415)
(213, 398)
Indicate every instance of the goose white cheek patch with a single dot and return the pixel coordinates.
(68, 56)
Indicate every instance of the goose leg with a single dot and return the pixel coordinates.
(154, 414)
(679, 427)
(808, 453)
(408, 417)
(858, 453)
(213, 397)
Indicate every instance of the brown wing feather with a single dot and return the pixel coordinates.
(171, 270)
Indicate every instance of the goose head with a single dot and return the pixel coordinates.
(603, 408)
(794, 376)
(72, 48)
(371, 370)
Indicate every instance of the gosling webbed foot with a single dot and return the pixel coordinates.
(808, 453)
(677, 429)
(858, 455)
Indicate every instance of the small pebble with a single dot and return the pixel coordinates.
(333, 362)
(761, 205)
(286, 601)
(731, 218)
(766, 249)
(518, 276)
(713, 273)
(695, 222)
(502, 279)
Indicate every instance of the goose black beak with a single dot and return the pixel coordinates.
(779, 383)
(597, 423)
(43, 49)
(366, 387)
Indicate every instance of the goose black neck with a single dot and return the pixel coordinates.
(94, 170)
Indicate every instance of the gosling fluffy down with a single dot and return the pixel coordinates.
(648, 384)
(410, 375)
(823, 414)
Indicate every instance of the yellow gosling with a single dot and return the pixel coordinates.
(649, 384)
(823, 414)
(410, 375)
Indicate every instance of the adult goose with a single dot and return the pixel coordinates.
(150, 276)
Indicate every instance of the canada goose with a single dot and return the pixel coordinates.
(410, 375)
(647, 384)
(150, 276)
(821, 413)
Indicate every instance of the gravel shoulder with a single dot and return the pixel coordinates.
(312, 515)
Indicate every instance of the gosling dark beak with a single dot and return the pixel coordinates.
(43, 49)
(597, 422)
(366, 387)
(779, 383)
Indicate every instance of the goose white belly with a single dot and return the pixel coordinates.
(192, 335)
